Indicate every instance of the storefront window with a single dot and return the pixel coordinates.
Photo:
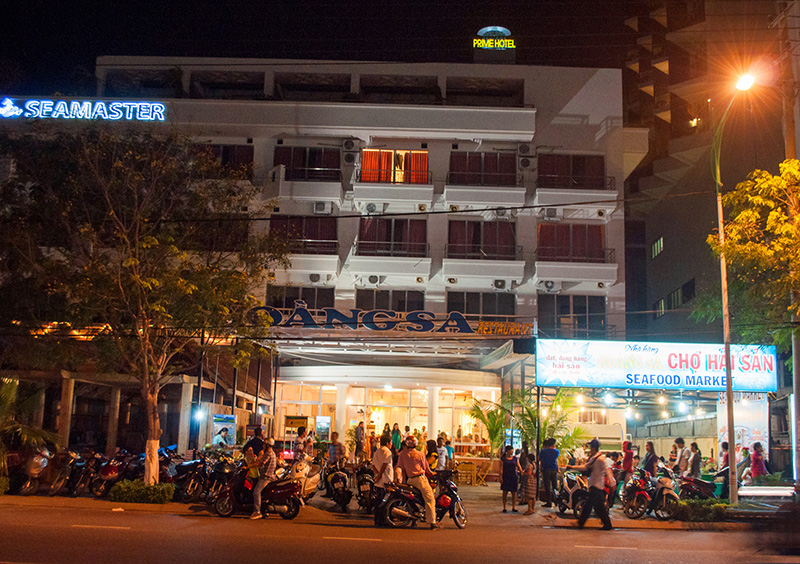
(329, 394)
(310, 393)
(290, 392)
(378, 396)
(355, 396)
(419, 398)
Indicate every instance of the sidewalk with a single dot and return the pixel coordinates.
(483, 504)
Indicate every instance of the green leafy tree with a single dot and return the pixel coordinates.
(138, 240)
(15, 403)
(520, 405)
(494, 419)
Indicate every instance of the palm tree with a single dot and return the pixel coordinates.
(13, 432)
(494, 419)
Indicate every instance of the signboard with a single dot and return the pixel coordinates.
(495, 38)
(323, 427)
(750, 417)
(648, 366)
(224, 421)
(517, 442)
(93, 110)
(295, 421)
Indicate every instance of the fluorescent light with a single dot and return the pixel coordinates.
(579, 399)
(199, 415)
(664, 414)
(558, 408)
(609, 399)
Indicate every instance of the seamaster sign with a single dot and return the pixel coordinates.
(104, 110)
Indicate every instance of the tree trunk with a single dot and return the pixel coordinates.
(153, 437)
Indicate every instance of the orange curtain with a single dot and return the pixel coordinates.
(370, 165)
(417, 167)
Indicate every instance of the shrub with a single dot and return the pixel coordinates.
(697, 510)
(3, 484)
(137, 492)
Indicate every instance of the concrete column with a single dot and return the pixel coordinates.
(65, 413)
(341, 410)
(433, 411)
(38, 411)
(355, 83)
(113, 422)
(269, 84)
(186, 82)
(187, 389)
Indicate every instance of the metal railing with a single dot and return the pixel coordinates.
(320, 174)
(390, 249)
(577, 331)
(505, 179)
(572, 254)
(313, 247)
(486, 252)
(571, 182)
(392, 176)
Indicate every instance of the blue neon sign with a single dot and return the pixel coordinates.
(43, 108)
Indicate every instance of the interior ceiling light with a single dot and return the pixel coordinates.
(609, 399)
(664, 414)
(579, 399)
(683, 407)
(662, 400)
(636, 415)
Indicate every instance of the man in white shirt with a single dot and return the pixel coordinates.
(441, 462)
(682, 457)
(599, 476)
(382, 466)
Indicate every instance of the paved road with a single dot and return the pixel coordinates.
(36, 535)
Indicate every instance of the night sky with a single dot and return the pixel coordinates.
(48, 47)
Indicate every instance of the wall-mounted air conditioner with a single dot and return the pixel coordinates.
(549, 286)
(323, 208)
(551, 214)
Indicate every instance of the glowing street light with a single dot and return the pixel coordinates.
(745, 82)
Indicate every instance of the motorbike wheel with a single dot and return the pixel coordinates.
(666, 509)
(213, 493)
(294, 509)
(397, 521)
(636, 507)
(562, 507)
(100, 488)
(29, 487)
(224, 505)
(579, 501)
(322, 482)
(57, 485)
(459, 514)
(192, 491)
(83, 483)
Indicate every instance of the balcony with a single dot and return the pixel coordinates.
(393, 263)
(577, 331)
(390, 249)
(466, 266)
(579, 270)
(396, 191)
(313, 261)
(308, 184)
(484, 252)
(484, 190)
(577, 197)
(313, 247)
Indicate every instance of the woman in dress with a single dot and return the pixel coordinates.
(695, 461)
(527, 488)
(757, 465)
(509, 480)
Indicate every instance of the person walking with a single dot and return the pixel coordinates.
(509, 478)
(527, 488)
(627, 461)
(599, 477)
(695, 461)
(757, 465)
(682, 456)
(650, 463)
(359, 435)
(384, 473)
(267, 462)
(415, 471)
(548, 462)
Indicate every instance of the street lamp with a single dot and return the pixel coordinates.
(744, 83)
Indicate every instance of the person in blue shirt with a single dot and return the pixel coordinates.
(548, 459)
(451, 452)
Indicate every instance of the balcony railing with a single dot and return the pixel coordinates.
(313, 247)
(313, 174)
(571, 254)
(505, 179)
(390, 249)
(392, 176)
(570, 182)
(577, 331)
(485, 252)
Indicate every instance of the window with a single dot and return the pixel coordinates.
(394, 166)
(392, 237)
(283, 297)
(572, 316)
(656, 247)
(307, 235)
(309, 163)
(483, 169)
(688, 291)
(675, 299)
(572, 171)
(491, 306)
(482, 240)
(572, 242)
(394, 300)
(236, 157)
(658, 309)
(593, 416)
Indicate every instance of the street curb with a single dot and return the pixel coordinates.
(40, 502)
(630, 524)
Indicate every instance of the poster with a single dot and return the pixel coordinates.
(224, 421)
(750, 418)
(323, 428)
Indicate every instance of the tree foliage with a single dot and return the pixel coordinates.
(14, 433)
(139, 241)
(494, 419)
(554, 422)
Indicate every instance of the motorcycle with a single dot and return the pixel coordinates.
(635, 494)
(365, 486)
(121, 467)
(221, 473)
(191, 478)
(31, 470)
(695, 488)
(280, 496)
(85, 473)
(307, 474)
(403, 506)
(573, 494)
(338, 489)
(69, 470)
(664, 499)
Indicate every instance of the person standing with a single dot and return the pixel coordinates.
(267, 463)
(299, 446)
(416, 472)
(451, 452)
(459, 433)
(650, 463)
(599, 477)
(548, 461)
(373, 444)
(682, 456)
(757, 465)
(384, 473)
(397, 437)
(509, 478)
(444, 458)
(527, 489)
(336, 450)
(695, 461)
(359, 435)
(627, 461)
(221, 438)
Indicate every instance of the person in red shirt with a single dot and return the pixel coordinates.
(627, 461)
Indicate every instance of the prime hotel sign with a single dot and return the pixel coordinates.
(91, 110)
(494, 38)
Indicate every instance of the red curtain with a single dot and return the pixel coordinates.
(547, 241)
(370, 165)
(414, 235)
(507, 167)
(499, 240)
(554, 171)
(458, 166)
(596, 243)
(417, 167)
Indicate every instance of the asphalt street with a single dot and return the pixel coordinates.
(38, 535)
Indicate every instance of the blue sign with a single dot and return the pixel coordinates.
(649, 366)
(43, 108)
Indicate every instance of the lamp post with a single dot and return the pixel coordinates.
(744, 83)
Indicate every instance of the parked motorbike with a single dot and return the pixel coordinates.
(636, 494)
(403, 506)
(573, 494)
(695, 488)
(85, 473)
(69, 469)
(664, 499)
(280, 496)
(338, 489)
(365, 486)
(221, 473)
(191, 478)
(307, 474)
(122, 467)
(31, 471)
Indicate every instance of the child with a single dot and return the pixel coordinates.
(528, 484)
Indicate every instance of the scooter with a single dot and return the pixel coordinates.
(338, 489)
(573, 494)
(307, 474)
(403, 506)
(664, 499)
(695, 488)
(69, 470)
(85, 473)
(280, 496)
(191, 478)
(32, 470)
(365, 486)
(636, 494)
(221, 473)
(121, 467)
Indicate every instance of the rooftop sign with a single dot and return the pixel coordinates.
(495, 38)
(648, 366)
(103, 110)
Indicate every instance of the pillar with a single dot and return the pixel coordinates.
(65, 413)
(185, 422)
(341, 410)
(113, 422)
(38, 410)
(433, 411)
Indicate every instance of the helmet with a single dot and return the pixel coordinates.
(271, 441)
(411, 441)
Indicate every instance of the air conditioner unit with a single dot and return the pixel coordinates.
(452, 280)
(549, 286)
(323, 208)
(524, 149)
(372, 280)
(453, 208)
(314, 277)
(351, 149)
(350, 158)
(551, 214)
(501, 212)
(525, 163)
(500, 284)
(373, 207)
(350, 145)
(601, 213)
